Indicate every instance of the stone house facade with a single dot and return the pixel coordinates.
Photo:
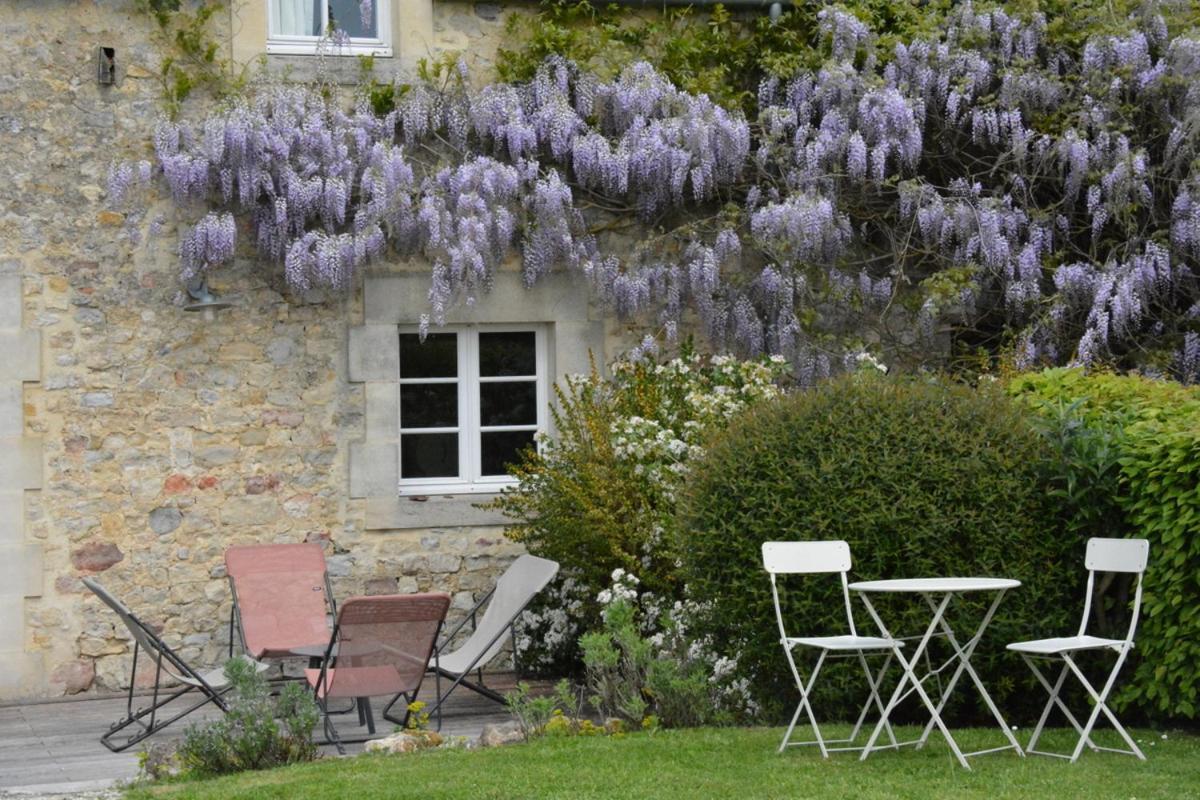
(139, 440)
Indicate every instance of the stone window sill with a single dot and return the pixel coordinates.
(435, 511)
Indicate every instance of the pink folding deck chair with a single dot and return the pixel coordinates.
(282, 600)
(381, 645)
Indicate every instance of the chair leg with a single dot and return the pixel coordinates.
(1101, 699)
(805, 704)
(461, 680)
(147, 730)
(331, 734)
(1054, 700)
(874, 682)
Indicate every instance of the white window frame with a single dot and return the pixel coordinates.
(279, 44)
(469, 479)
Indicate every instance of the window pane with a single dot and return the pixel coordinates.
(429, 455)
(508, 403)
(296, 17)
(498, 449)
(436, 357)
(507, 354)
(346, 15)
(429, 405)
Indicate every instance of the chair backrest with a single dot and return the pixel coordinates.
(519, 584)
(384, 643)
(145, 638)
(281, 596)
(1115, 555)
(807, 558)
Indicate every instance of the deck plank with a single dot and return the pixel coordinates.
(59, 743)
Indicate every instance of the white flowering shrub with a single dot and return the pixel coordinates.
(600, 495)
(645, 664)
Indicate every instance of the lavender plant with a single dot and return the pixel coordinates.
(984, 182)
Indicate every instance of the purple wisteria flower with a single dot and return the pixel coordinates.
(855, 193)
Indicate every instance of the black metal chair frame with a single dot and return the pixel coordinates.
(132, 717)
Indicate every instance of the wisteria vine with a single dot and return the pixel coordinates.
(982, 182)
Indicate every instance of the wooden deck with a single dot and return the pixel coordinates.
(54, 747)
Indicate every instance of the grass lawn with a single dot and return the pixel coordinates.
(722, 763)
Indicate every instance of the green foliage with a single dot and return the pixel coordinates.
(1154, 429)
(647, 668)
(601, 495)
(191, 52)
(156, 761)
(556, 714)
(923, 478)
(726, 54)
(721, 763)
(617, 659)
(534, 712)
(258, 732)
(713, 51)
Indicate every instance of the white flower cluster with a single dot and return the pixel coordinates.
(548, 629)
(669, 630)
(702, 394)
(623, 589)
(866, 360)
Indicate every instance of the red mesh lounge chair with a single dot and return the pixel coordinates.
(380, 646)
(282, 600)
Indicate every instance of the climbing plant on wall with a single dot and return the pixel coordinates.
(984, 180)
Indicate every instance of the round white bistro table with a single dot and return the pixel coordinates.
(938, 594)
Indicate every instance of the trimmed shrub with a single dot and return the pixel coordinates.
(923, 478)
(1154, 427)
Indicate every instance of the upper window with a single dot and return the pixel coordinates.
(471, 399)
(299, 26)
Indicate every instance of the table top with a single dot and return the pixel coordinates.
(936, 585)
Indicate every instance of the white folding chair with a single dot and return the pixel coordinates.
(1103, 555)
(784, 558)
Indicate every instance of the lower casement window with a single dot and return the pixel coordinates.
(472, 397)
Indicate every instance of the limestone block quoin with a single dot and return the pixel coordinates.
(21, 560)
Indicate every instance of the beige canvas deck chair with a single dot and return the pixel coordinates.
(809, 558)
(513, 592)
(381, 645)
(282, 599)
(1103, 555)
(168, 668)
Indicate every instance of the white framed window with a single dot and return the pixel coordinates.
(297, 27)
(472, 397)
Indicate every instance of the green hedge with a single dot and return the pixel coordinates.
(922, 478)
(1155, 426)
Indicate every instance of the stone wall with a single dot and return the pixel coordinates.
(166, 436)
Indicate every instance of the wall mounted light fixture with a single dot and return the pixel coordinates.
(201, 298)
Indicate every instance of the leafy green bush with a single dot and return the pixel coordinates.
(1154, 428)
(923, 478)
(725, 55)
(601, 495)
(258, 732)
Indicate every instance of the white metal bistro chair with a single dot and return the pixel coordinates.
(788, 558)
(1103, 555)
